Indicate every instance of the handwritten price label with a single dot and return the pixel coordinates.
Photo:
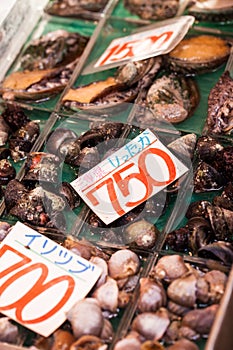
(140, 169)
(48, 279)
(159, 40)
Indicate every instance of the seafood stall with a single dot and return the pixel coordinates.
(116, 185)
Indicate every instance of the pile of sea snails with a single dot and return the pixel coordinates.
(18, 134)
(88, 324)
(208, 231)
(177, 305)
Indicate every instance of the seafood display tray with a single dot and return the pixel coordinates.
(220, 325)
(50, 112)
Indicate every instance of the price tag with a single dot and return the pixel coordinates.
(156, 41)
(40, 280)
(137, 171)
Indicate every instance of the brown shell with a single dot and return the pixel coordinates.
(199, 54)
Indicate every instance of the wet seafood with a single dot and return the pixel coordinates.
(221, 222)
(8, 331)
(57, 140)
(220, 106)
(37, 84)
(53, 49)
(82, 323)
(200, 321)
(199, 54)
(153, 9)
(123, 263)
(222, 251)
(183, 344)
(107, 295)
(172, 98)
(225, 200)
(190, 300)
(4, 229)
(123, 87)
(224, 163)
(75, 8)
(4, 131)
(15, 117)
(41, 167)
(207, 178)
(7, 171)
(76, 149)
(169, 268)
(209, 10)
(198, 208)
(47, 65)
(152, 325)
(200, 233)
(184, 146)
(88, 342)
(22, 140)
(152, 295)
(142, 233)
(207, 148)
(37, 206)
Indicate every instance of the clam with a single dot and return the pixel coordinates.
(199, 54)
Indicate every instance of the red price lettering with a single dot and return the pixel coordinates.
(143, 176)
(124, 50)
(39, 287)
(112, 195)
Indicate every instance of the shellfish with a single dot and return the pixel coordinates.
(199, 54)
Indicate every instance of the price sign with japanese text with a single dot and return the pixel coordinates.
(40, 280)
(157, 40)
(137, 171)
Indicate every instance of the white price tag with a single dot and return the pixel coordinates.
(40, 280)
(157, 41)
(137, 171)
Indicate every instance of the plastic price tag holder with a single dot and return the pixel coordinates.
(41, 280)
(128, 177)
